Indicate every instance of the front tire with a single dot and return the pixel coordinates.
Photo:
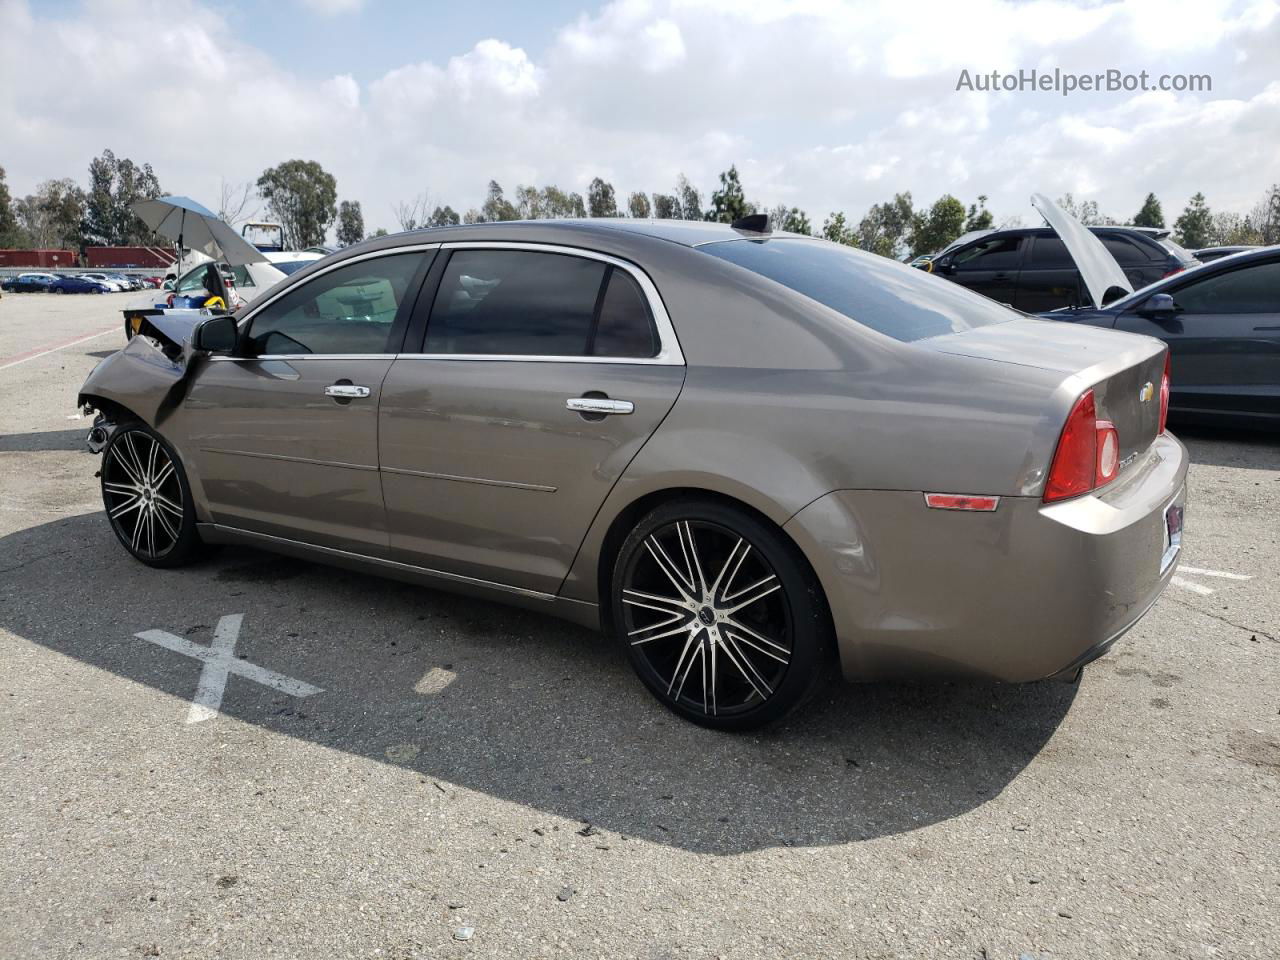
(147, 498)
(720, 615)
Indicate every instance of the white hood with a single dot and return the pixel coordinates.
(1099, 269)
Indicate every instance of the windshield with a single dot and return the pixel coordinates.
(291, 266)
(877, 292)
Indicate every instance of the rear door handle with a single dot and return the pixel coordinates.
(346, 391)
(601, 405)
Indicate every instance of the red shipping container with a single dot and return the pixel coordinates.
(129, 256)
(48, 259)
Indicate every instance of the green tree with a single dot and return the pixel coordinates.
(690, 199)
(885, 226)
(380, 232)
(638, 206)
(729, 203)
(836, 229)
(1086, 211)
(558, 205)
(10, 232)
(666, 206)
(1264, 219)
(934, 230)
(790, 219)
(529, 203)
(52, 217)
(350, 223)
(1150, 215)
(115, 184)
(444, 216)
(979, 217)
(1194, 227)
(303, 197)
(601, 201)
(496, 206)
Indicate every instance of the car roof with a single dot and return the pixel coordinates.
(689, 233)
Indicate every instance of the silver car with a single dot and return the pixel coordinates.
(753, 458)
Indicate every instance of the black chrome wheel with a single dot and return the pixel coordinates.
(717, 616)
(146, 497)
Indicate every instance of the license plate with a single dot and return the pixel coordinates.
(1172, 534)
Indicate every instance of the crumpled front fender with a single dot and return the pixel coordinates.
(141, 378)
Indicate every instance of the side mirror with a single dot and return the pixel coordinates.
(167, 285)
(1158, 306)
(942, 265)
(216, 335)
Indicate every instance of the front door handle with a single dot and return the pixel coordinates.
(346, 391)
(600, 405)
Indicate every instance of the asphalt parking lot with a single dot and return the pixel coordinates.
(399, 773)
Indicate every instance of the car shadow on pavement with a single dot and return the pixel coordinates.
(518, 705)
(46, 440)
(1230, 447)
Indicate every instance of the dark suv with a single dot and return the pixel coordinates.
(1030, 268)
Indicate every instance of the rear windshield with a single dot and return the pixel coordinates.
(1182, 253)
(291, 266)
(887, 296)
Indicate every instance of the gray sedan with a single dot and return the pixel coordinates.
(753, 458)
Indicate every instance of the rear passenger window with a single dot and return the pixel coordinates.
(529, 304)
(625, 327)
(1049, 253)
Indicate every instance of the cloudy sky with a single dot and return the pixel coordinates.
(822, 105)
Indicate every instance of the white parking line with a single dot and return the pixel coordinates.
(1189, 585)
(1213, 573)
(45, 351)
(219, 662)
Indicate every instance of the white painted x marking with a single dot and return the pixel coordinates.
(1200, 588)
(220, 661)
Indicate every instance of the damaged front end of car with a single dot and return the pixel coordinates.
(145, 380)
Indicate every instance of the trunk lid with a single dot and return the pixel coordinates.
(1123, 370)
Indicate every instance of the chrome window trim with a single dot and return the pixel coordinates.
(669, 353)
(293, 357)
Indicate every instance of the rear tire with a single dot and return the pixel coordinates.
(58, 290)
(147, 498)
(720, 615)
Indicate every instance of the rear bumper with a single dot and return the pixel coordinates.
(1026, 592)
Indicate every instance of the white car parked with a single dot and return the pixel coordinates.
(115, 286)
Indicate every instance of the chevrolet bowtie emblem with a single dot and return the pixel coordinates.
(1147, 392)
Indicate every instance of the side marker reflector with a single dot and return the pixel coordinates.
(960, 501)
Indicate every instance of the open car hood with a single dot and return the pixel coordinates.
(1103, 277)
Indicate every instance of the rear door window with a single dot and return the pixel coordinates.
(994, 253)
(524, 303)
(1049, 253)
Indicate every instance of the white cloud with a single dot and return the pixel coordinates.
(332, 8)
(822, 104)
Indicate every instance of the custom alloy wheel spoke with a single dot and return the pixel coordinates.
(712, 645)
(142, 494)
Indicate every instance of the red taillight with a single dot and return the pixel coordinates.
(1164, 395)
(1075, 462)
(1088, 453)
